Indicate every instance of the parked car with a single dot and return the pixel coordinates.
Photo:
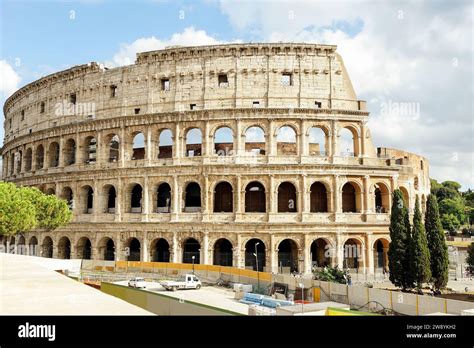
(137, 282)
(189, 281)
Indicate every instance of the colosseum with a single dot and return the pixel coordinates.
(248, 155)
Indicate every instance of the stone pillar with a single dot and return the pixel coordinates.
(95, 202)
(369, 254)
(176, 147)
(175, 249)
(273, 255)
(271, 140)
(123, 144)
(238, 139)
(206, 142)
(239, 255)
(145, 257)
(366, 195)
(146, 199)
(148, 151)
(205, 249)
(205, 198)
(334, 139)
(118, 200)
(362, 148)
(339, 252)
(307, 254)
(273, 197)
(304, 145)
(61, 152)
(335, 198)
(99, 158)
(175, 198)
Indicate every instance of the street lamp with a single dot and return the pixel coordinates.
(193, 257)
(256, 265)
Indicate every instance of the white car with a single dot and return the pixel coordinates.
(137, 282)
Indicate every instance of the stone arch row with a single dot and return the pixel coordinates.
(254, 251)
(93, 147)
(255, 194)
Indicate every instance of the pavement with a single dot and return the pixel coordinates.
(30, 286)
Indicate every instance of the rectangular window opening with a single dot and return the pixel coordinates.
(73, 98)
(256, 104)
(287, 79)
(192, 106)
(137, 111)
(165, 84)
(317, 104)
(223, 80)
(113, 91)
(22, 115)
(42, 107)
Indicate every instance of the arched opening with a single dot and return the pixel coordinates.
(165, 144)
(53, 154)
(255, 141)
(50, 191)
(192, 199)
(133, 249)
(255, 198)
(19, 158)
(69, 152)
(160, 250)
(381, 253)
(287, 256)
(64, 248)
(286, 198)
(111, 199)
(347, 143)
(224, 142)
(113, 145)
(33, 246)
(21, 246)
(317, 142)
(423, 204)
(68, 197)
(136, 199)
(318, 198)
(191, 248)
(352, 254)
(223, 252)
(255, 254)
(406, 197)
(193, 142)
(107, 249)
(223, 200)
(84, 248)
(416, 183)
(28, 159)
(320, 253)
(286, 141)
(138, 152)
(88, 199)
(90, 150)
(39, 157)
(47, 247)
(382, 198)
(350, 197)
(164, 198)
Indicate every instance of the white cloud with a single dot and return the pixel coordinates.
(9, 80)
(189, 37)
(405, 52)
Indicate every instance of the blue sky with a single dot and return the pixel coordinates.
(396, 52)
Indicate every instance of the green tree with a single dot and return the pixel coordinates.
(454, 207)
(470, 258)
(419, 253)
(16, 214)
(436, 244)
(398, 251)
(450, 223)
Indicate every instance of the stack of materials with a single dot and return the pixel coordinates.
(266, 301)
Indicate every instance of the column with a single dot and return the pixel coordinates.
(175, 199)
(146, 199)
(95, 202)
(98, 149)
(369, 254)
(273, 255)
(270, 139)
(175, 255)
(304, 146)
(205, 248)
(122, 146)
(307, 255)
(118, 248)
(334, 139)
(238, 139)
(273, 198)
(118, 200)
(206, 200)
(366, 208)
(206, 141)
(362, 139)
(177, 142)
(238, 261)
(61, 152)
(145, 257)
(336, 204)
(339, 251)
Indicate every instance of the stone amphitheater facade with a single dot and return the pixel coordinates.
(212, 155)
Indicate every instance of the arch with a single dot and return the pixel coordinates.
(39, 157)
(64, 248)
(353, 253)
(87, 198)
(12, 163)
(348, 142)
(416, 183)
(223, 200)
(50, 191)
(320, 253)
(255, 201)
(69, 152)
(33, 246)
(192, 197)
(84, 248)
(380, 250)
(21, 245)
(136, 195)
(224, 141)
(160, 250)
(163, 198)
(287, 198)
(90, 149)
(406, 197)
(287, 256)
(193, 142)
(67, 195)
(286, 141)
(381, 198)
(133, 247)
(254, 247)
(28, 159)
(47, 247)
(317, 141)
(19, 159)
(53, 154)
(255, 140)
(107, 249)
(165, 144)
(318, 198)
(191, 247)
(223, 252)
(138, 146)
(350, 198)
(110, 199)
(113, 147)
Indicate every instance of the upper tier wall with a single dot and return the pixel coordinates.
(197, 75)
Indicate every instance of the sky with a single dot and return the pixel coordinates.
(412, 61)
